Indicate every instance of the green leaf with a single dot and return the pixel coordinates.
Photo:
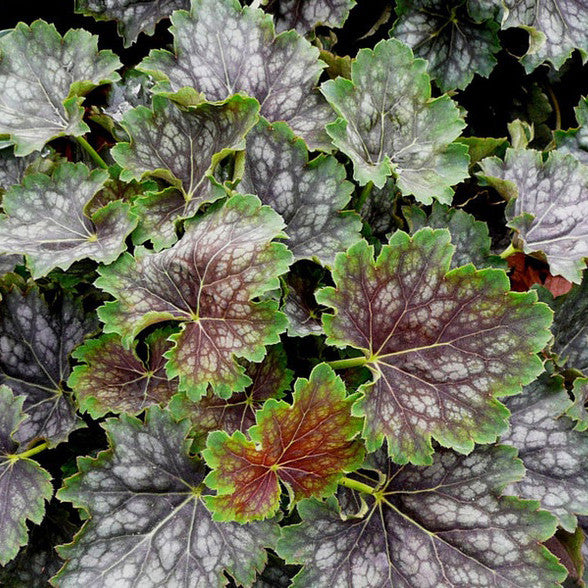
(207, 281)
(48, 220)
(308, 195)
(389, 125)
(470, 236)
(305, 15)
(269, 379)
(221, 49)
(307, 446)
(556, 28)
(148, 521)
(133, 16)
(114, 379)
(441, 344)
(547, 205)
(443, 525)
(575, 141)
(554, 454)
(38, 561)
(579, 409)
(454, 44)
(182, 146)
(36, 341)
(42, 80)
(24, 485)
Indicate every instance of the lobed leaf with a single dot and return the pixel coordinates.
(305, 15)
(24, 485)
(43, 78)
(455, 45)
(556, 28)
(307, 446)
(470, 237)
(555, 455)
(441, 344)
(548, 205)
(442, 525)
(48, 220)
(148, 521)
(182, 146)
(207, 281)
(389, 125)
(575, 141)
(132, 16)
(308, 195)
(35, 343)
(114, 379)
(221, 49)
(269, 379)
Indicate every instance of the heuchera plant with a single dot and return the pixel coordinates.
(256, 321)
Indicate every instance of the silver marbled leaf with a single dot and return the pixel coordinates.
(24, 485)
(222, 48)
(149, 525)
(305, 15)
(575, 141)
(35, 343)
(133, 16)
(48, 220)
(548, 205)
(555, 455)
(443, 526)
(308, 195)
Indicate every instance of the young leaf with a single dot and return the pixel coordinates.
(389, 125)
(556, 28)
(48, 220)
(305, 15)
(207, 280)
(182, 146)
(575, 141)
(470, 236)
(300, 305)
(554, 454)
(42, 80)
(149, 524)
(454, 44)
(442, 525)
(133, 16)
(114, 379)
(269, 380)
(441, 345)
(547, 205)
(308, 195)
(221, 49)
(24, 485)
(35, 343)
(12, 168)
(307, 446)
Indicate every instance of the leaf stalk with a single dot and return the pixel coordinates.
(30, 452)
(355, 485)
(92, 152)
(342, 364)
